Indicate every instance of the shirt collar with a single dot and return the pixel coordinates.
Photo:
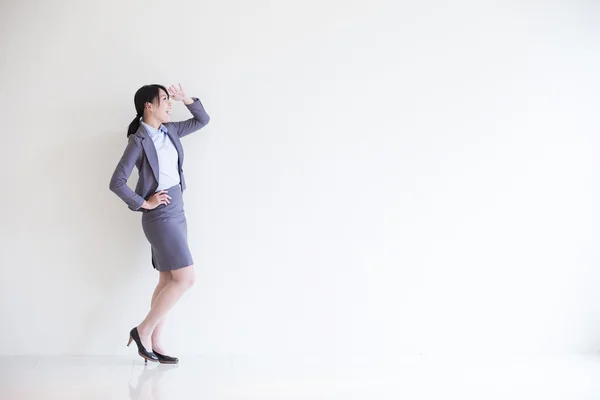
(154, 132)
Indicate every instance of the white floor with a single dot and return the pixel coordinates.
(237, 377)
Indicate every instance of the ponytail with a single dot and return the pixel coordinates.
(133, 126)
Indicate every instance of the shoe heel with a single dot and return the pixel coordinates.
(134, 336)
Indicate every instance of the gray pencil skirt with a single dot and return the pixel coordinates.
(165, 228)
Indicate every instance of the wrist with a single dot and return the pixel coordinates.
(187, 101)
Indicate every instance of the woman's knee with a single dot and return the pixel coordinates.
(185, 277)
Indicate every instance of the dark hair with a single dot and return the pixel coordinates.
(145, 94)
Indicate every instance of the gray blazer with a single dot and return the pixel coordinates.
(140, 151)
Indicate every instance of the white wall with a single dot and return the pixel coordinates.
(378, 178)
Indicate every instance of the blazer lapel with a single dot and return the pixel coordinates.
(150, 151)
(177, 144)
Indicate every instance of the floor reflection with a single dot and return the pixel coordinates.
(147, 385)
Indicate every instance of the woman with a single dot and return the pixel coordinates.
(155, 149)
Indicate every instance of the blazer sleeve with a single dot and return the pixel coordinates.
(118, 181)
(199, 120)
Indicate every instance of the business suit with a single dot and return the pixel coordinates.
(140, 152)
(165, 226)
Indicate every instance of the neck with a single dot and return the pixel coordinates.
(153, 122)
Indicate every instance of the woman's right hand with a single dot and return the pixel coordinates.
(156, 200)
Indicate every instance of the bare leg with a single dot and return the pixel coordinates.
(164, 278)
(183, 279)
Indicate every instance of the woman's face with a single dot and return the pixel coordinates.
(161, 107)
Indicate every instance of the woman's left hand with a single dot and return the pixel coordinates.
(177, 93)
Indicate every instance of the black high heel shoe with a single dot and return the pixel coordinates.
(145, 354)
(165, 359)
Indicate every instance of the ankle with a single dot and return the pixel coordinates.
(143, 330)
(156, 341)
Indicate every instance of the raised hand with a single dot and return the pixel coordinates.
(176, 92)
